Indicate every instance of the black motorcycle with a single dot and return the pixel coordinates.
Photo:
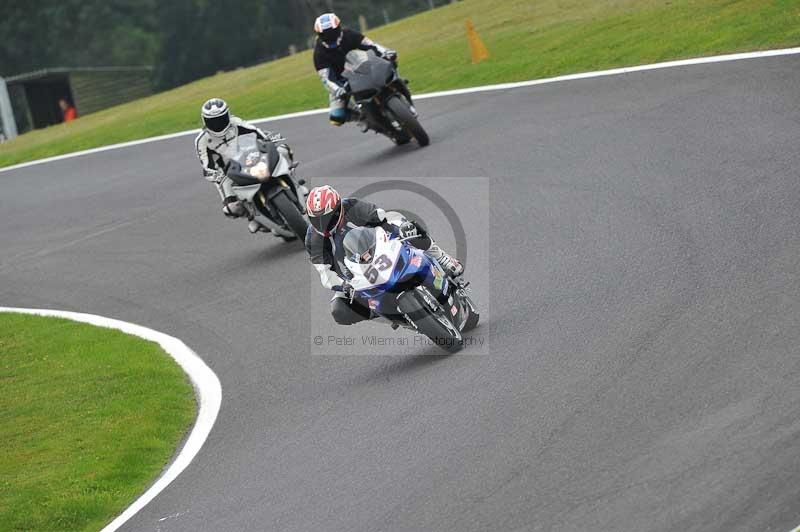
(383, 98)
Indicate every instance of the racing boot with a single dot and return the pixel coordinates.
(451, 266)
(255, 227)
(356, 115)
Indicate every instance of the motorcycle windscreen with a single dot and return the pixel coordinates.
(249, 164)
(367, 74)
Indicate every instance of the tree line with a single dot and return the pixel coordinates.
(182, 39)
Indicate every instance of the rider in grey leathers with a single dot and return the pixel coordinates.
(215, 145)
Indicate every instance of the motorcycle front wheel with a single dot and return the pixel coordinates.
(433, 324)
(291, 215)
(402, 112)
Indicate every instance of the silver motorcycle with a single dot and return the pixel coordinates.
(263, 176)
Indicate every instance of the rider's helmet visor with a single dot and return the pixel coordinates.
(218, 124)
(331, 36)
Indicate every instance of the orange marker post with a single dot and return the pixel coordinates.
(476, 47)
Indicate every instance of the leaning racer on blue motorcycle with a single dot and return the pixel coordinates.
(332, 217)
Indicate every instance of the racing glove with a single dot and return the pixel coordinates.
(340, 92)
(348, 290)
(409, 230)
(390, 55)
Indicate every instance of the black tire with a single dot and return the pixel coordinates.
(399, 108)
(291, 215)
(472, 321)
(431, 324)
(402, 139)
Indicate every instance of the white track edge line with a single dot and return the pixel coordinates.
(454, 92)
(207, 389)
(614, 72)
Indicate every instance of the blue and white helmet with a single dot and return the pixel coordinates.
(329, 29)
(216, 116)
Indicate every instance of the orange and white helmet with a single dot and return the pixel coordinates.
(329, 29)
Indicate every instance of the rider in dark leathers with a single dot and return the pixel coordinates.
(331, 219)
(333, 44)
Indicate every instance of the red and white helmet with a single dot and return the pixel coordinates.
(329, 29)
(324, 207)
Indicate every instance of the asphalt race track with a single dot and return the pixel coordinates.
(642, 369)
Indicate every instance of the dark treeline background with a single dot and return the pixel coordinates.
(183, 39)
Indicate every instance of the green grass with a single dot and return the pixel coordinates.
(88, 418)
(527, 39)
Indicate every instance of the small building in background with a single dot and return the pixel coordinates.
(8, 126)
(35, 95)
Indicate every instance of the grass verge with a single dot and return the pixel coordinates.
(527, 39)
(88, 418)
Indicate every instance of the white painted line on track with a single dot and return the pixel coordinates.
(613, 72)
(455, 92)
(207, 389)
